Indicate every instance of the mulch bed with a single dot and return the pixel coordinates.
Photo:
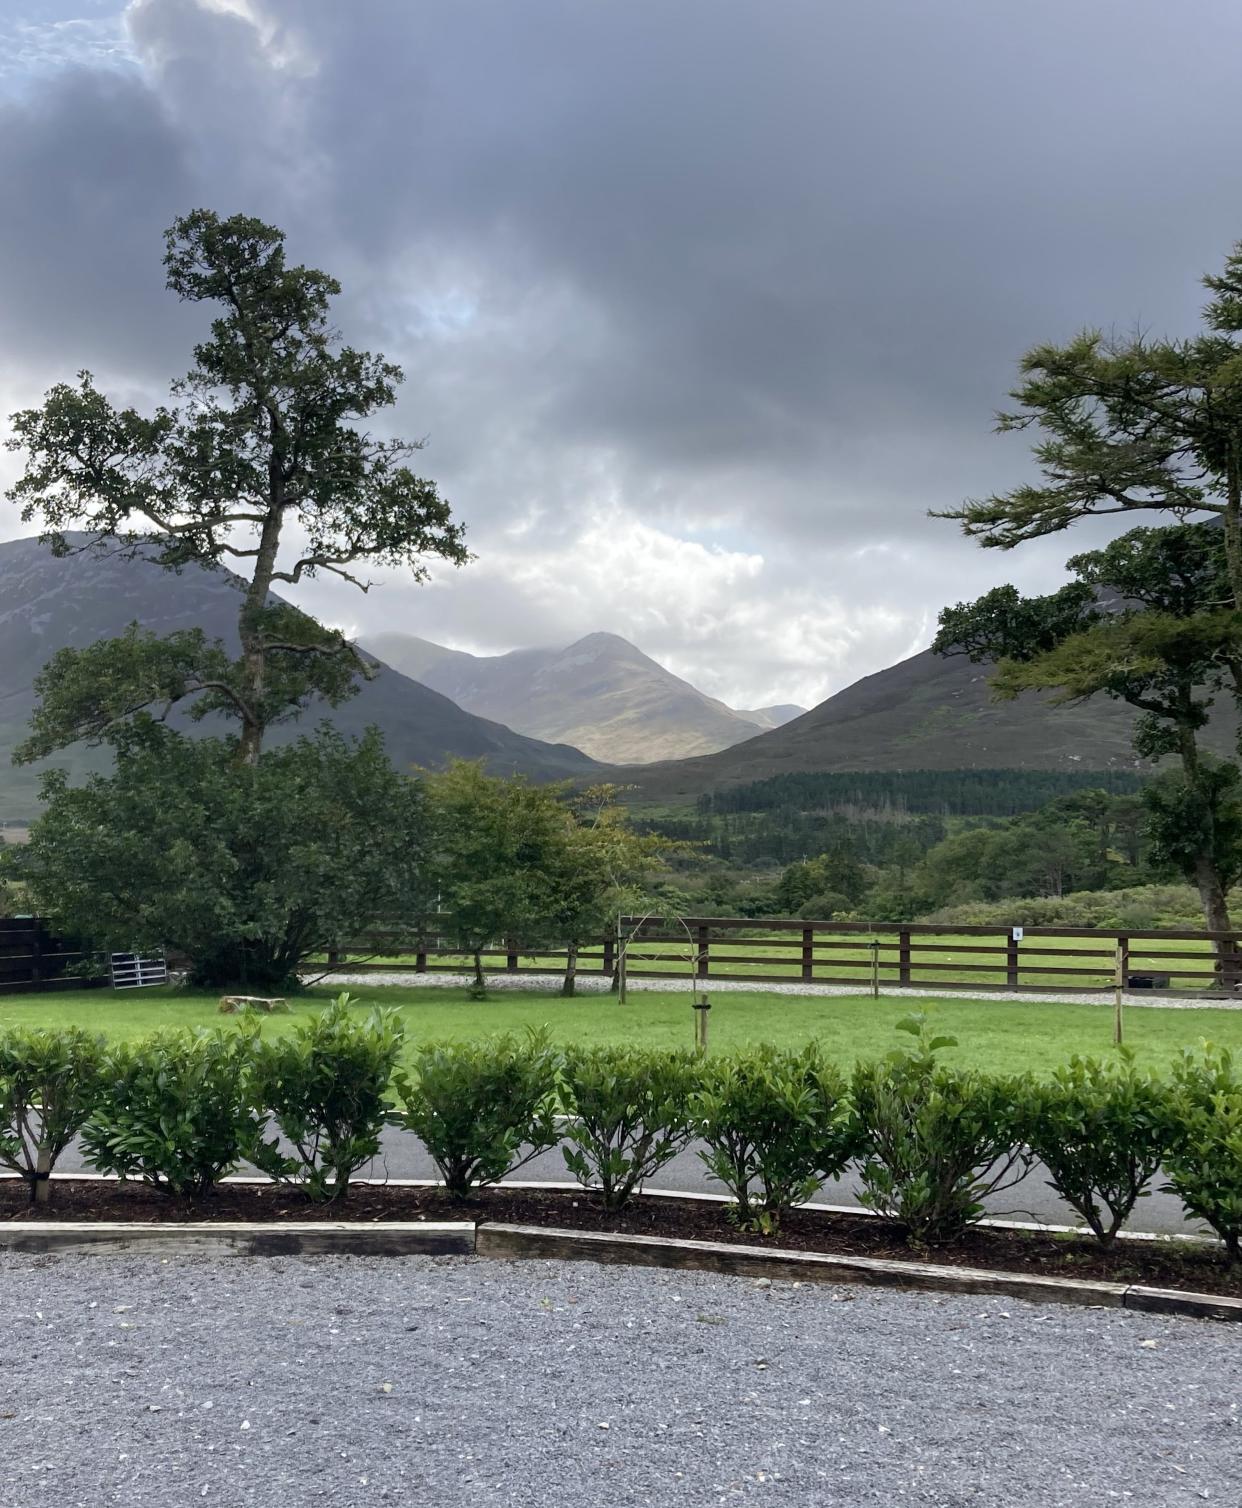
(1173, 1264)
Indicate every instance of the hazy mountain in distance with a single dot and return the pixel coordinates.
(601, 694)
(47, 604)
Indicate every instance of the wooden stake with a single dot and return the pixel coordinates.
(875, 971)
(1119, 980)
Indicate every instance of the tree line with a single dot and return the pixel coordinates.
(971, 793)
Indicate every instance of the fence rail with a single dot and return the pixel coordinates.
(915, 955)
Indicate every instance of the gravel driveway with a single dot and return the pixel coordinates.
(297, 1383)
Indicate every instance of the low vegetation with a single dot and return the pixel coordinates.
(181, 1110)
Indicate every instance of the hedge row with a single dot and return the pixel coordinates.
(179, 1110)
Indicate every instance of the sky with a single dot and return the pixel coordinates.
(702, 304)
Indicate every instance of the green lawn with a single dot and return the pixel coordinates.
(997, 1035)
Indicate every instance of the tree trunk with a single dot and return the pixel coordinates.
(1233, 523)
(480, 982)
(254, 659)
(571, 969)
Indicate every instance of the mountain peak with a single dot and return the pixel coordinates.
(601, 694)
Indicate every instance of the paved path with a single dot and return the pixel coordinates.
(347, 1383)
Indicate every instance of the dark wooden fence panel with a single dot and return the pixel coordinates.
(33, 958)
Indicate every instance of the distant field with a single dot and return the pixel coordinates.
(997, 1035)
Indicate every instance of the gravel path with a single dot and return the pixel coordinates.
(331, 1383)
(587, 985)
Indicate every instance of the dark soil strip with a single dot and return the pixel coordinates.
(1158, 1264)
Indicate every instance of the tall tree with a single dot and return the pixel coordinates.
(1150, 622)
(264, 445)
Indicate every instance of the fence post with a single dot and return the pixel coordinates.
(903, 956)
(420, 959)
(36, 953)
(875, 970)
(1011, 961)
(334, 957)
(702, 945)
(808, 952)
(511, 955)
(610, 953)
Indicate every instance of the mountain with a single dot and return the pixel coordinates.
(601, 694)
(926, 713)
(47, 604)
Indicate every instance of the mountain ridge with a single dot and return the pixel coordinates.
(602, 694)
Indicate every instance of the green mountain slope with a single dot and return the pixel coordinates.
(926, 713)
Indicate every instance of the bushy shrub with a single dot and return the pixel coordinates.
(1138, 908)
(48, 1082)
(482, 1109)
(630, 1113)
(775, 1125)
(174, 1110)
(936, 1140)
(1204, 1160)
(1101, 1130)
(326, 1088)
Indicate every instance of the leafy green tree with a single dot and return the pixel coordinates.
(603, 867)
(532, 863)
(266, 441)
(837, 873)
(499, 847)
(247, 870)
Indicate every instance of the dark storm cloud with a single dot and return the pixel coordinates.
(751, 275)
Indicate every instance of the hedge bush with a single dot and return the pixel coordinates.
(776, 1125)
(181, 1109)
(936, 1141)
(326, 1088)
(630, 1113)
(174, 1110)
(1101, 1130)
(482, 1109)
(48, 1088)
(1204, 1161)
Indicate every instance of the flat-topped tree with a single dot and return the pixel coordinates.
(1124, 426)
(264, 446)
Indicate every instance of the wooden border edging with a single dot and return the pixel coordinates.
(515, 1242)
(244, 1238)
(408, 1238)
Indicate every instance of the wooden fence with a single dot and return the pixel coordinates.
(33, 958)
(915, 956)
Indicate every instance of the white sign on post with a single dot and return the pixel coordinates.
(1016, 933)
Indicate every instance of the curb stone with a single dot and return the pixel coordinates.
(243, 1238)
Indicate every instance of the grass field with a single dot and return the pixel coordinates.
(996, 1035)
